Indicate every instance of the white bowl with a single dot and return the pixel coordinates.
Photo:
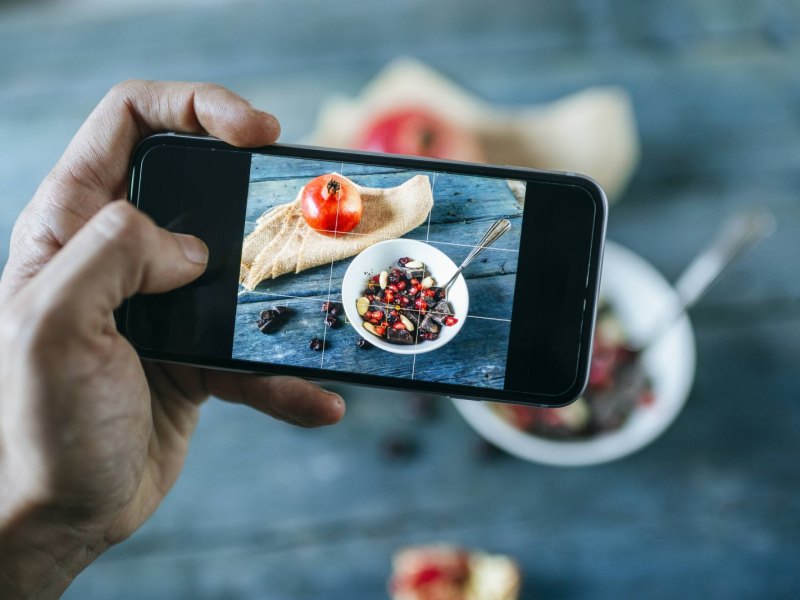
(379, 257)
(642, 298)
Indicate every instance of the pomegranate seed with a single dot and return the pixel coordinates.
(415, 282)
(399, 325)
(404, 261)
(393, 287)
(421, 304)
(413, 290)
(404, 300)
(450, 321)
(370, 297)
(430, 293)
(426, 576)
(380, 329)
(376, 278)
(401, 285)
(388, 296)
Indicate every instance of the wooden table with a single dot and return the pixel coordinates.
(264, 510)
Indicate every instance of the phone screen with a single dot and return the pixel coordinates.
(338, 266)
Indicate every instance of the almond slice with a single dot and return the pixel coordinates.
(362, 305)
(371, 328)
(407, 322)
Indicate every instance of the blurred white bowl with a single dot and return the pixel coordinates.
(379, 257)
(641, 298)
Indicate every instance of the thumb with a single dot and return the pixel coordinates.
(118, 253)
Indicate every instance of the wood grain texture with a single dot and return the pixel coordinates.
(264, 510)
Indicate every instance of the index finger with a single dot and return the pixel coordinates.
(93, 170)
(98, 156)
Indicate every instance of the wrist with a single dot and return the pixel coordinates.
(39, 555)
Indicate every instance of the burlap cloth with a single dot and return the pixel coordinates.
(592, 131)
(282, 241)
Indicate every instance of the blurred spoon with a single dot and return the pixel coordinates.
(741, 232)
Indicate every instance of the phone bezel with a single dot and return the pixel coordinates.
(452, 390)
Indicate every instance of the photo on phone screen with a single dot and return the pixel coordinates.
(412, 329)
(358, 290)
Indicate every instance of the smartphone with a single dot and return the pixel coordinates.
(332, 265)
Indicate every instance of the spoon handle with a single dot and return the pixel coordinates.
(497, 229)
(741, 232)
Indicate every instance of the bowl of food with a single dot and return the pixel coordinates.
(393, 296)
(634, 393)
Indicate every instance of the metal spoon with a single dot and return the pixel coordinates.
(741, 232)
(497, 229)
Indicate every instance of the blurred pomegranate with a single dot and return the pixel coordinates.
(419, 132)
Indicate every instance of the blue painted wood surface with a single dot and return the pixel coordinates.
(264, 510)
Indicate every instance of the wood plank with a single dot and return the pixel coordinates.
(477, 355)
(316, 281)
(270, 167)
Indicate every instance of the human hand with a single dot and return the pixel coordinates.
(92, 437)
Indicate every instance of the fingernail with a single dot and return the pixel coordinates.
(193, 248)
(337, 398)
(338, 402)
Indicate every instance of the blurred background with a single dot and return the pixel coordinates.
(264, 510)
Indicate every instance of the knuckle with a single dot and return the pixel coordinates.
(120, 223)
(209, 88)
(125, 89)
(125, 95)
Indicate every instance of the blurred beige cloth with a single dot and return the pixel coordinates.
(591, 132)
(282, 241)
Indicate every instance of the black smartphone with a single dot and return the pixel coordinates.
(335, 265)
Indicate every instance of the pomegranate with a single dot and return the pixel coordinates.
(417, 131)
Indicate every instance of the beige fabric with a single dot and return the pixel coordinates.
(269, 226)
(592, 131)
(283, 243)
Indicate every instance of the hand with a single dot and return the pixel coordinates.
(91, 437)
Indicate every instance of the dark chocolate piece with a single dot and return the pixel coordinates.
(399, 336)
(429, 324)
(440, 311)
